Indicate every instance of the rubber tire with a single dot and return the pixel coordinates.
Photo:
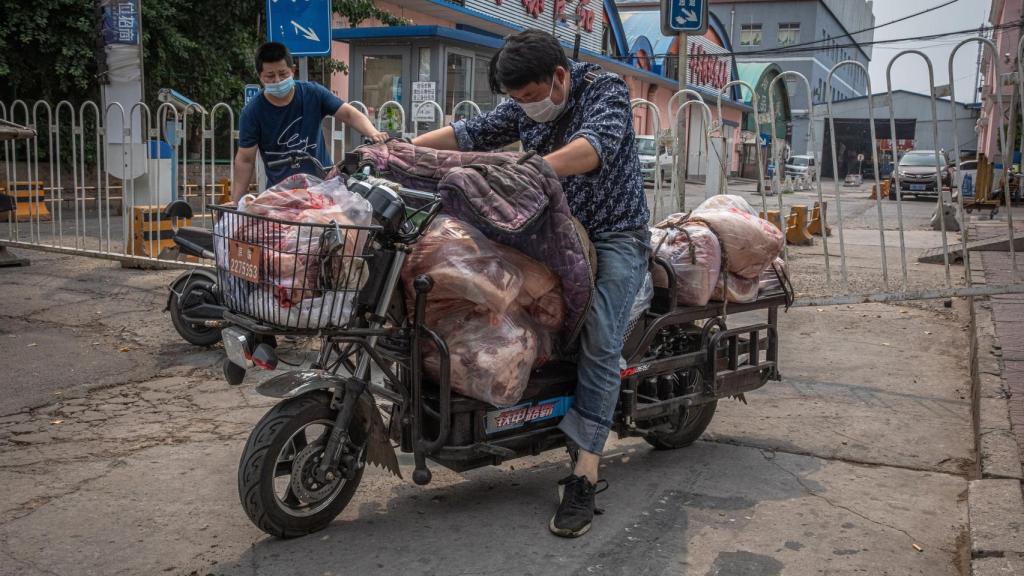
(255, 470)
(197, 336)
(686, 436)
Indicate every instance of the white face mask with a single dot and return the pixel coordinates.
(545, 110)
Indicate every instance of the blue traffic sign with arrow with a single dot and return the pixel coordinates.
(684, 17)
(304, 26)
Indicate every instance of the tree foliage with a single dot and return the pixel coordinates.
(201, 48)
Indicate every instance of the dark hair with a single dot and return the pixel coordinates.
(527, 56)
(272, 52)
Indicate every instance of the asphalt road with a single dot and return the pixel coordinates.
(855, 463)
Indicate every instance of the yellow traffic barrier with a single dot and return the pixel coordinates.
(819, 216)
(796, 227)
(884, 185)
(773, 216)
(149, 237)
(31, 198)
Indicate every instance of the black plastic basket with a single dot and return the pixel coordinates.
(298, 276)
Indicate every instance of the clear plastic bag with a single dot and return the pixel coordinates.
(695, 256)
(491, 354)
(770, 282)
(749, 244)
(541, 292)
(332, 308)
(497, 309)
(642, 301)
(464, 266)
(737, 289)
(725, 202)
(301, 264)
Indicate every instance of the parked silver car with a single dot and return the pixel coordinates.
(802, 165)
(646, 149)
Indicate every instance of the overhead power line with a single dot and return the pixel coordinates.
(802, 50)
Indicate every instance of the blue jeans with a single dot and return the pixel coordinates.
(621, 265)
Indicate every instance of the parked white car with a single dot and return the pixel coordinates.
(646, 149)
(802, 165)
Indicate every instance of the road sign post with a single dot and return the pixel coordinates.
(304, 26)
(684, 17)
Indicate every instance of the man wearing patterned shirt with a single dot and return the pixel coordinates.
(580, 120)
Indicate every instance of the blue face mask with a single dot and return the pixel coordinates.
(281, 89)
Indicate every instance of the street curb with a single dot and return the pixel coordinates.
(995, 501)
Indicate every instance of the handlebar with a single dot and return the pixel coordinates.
(295, 158)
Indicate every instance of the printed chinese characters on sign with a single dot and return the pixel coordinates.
(121, 22)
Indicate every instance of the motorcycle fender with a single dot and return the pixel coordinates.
(379, 450)
(175, 288)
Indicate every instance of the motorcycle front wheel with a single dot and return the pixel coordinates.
(275, 475)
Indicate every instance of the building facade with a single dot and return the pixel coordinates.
(916, 129)
(1003, 14)
(443, 53)
(808, 37)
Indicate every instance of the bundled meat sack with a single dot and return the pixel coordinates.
(748, 243)
(300, 283)
(695, 257)
(464, 265)
(736, 289)
(491, 355)
(725, 202)
(496, 308)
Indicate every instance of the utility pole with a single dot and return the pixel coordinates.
(682, 130)
(977, 69)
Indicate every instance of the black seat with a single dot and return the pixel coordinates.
(196, 238)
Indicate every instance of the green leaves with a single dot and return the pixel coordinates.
(201, 48)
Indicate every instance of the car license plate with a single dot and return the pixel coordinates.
(918, 187)
(244, 260)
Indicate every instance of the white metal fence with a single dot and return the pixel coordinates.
(87, 174)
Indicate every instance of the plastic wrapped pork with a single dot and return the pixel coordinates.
(299, 285)
(749, 243)
(497, 309)
(695, 257)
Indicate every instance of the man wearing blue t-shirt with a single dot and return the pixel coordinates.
(287, 116)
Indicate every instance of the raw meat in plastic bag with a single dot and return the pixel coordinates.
(748, 243)
(725, 202)
(695, 256)
(737, 289)
(491, 354)
(464, 265)
(297, 274)
(333, 308)
(541, 293)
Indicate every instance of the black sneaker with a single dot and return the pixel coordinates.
(576, 510)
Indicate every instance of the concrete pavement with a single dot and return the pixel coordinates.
(855, 463)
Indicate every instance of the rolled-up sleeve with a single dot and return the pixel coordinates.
(489, 131)
(606, 117)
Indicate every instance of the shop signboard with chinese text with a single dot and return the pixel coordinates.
(121, 22)
(547, 14)
(424, 92)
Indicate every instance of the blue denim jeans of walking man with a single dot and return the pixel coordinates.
(621, 265)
